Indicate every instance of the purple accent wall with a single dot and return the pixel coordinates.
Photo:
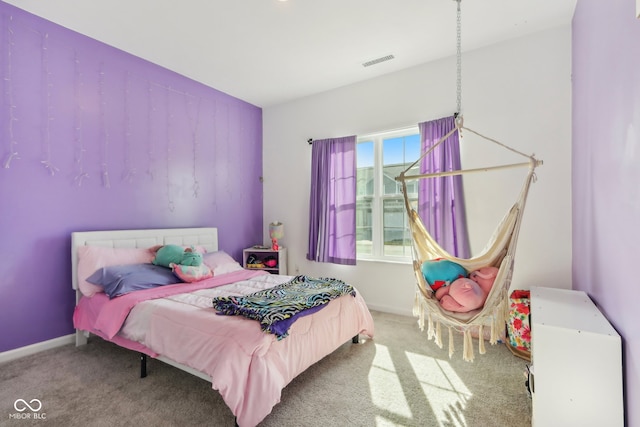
(92, 138)
(606, 172)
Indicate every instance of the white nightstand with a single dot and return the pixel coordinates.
(261, 254)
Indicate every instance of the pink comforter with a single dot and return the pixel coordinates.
(247, 366)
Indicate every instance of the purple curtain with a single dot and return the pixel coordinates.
(332, 212)
(441, 199)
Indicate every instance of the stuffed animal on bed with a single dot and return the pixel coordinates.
(441, 272)
(174, 254)
(468, 294)
(186, 263)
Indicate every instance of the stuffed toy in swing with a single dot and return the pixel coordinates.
(441, 272)
(467, 293)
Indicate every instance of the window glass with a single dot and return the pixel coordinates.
(381, 219)
(364, 226)
(364, 176)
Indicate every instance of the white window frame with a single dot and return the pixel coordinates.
(378, 196)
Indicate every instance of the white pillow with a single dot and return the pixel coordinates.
(221, 262)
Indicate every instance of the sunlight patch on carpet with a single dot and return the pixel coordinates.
(384, 382)
(445, 392)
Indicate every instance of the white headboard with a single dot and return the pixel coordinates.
(206, 237)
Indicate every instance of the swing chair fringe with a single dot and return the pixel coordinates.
(495, 321)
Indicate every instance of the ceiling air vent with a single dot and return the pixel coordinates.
(378, 60)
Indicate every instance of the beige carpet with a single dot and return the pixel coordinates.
(397, 379)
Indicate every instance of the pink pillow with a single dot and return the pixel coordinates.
(92, 258)
(220, 262)
(190, 273)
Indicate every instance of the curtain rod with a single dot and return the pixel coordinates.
(455, 115)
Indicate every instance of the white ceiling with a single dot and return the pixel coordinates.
(267, 52)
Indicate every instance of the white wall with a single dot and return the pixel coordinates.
(518, 92)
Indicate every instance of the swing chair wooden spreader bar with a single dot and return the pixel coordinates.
(532, 163)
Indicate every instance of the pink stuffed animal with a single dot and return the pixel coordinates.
(485, 277)
(467, 294)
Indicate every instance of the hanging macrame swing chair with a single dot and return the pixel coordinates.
(499, 252)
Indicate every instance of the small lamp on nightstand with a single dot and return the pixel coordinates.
(276, 231)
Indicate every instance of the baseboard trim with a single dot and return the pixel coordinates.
(390, 310)
(28, 350)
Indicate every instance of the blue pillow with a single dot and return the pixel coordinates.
(121, 279)
(441, 272)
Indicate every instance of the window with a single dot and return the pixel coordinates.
(382, 230)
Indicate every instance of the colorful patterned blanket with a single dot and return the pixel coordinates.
(278, 307)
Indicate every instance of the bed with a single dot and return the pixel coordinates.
(178, 324)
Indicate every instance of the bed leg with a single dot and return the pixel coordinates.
(355, 339)
(143, 365)
(81, 337)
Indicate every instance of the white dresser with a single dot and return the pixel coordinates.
(576, 358)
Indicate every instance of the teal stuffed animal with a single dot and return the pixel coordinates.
(174, 254)
(441, 272)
